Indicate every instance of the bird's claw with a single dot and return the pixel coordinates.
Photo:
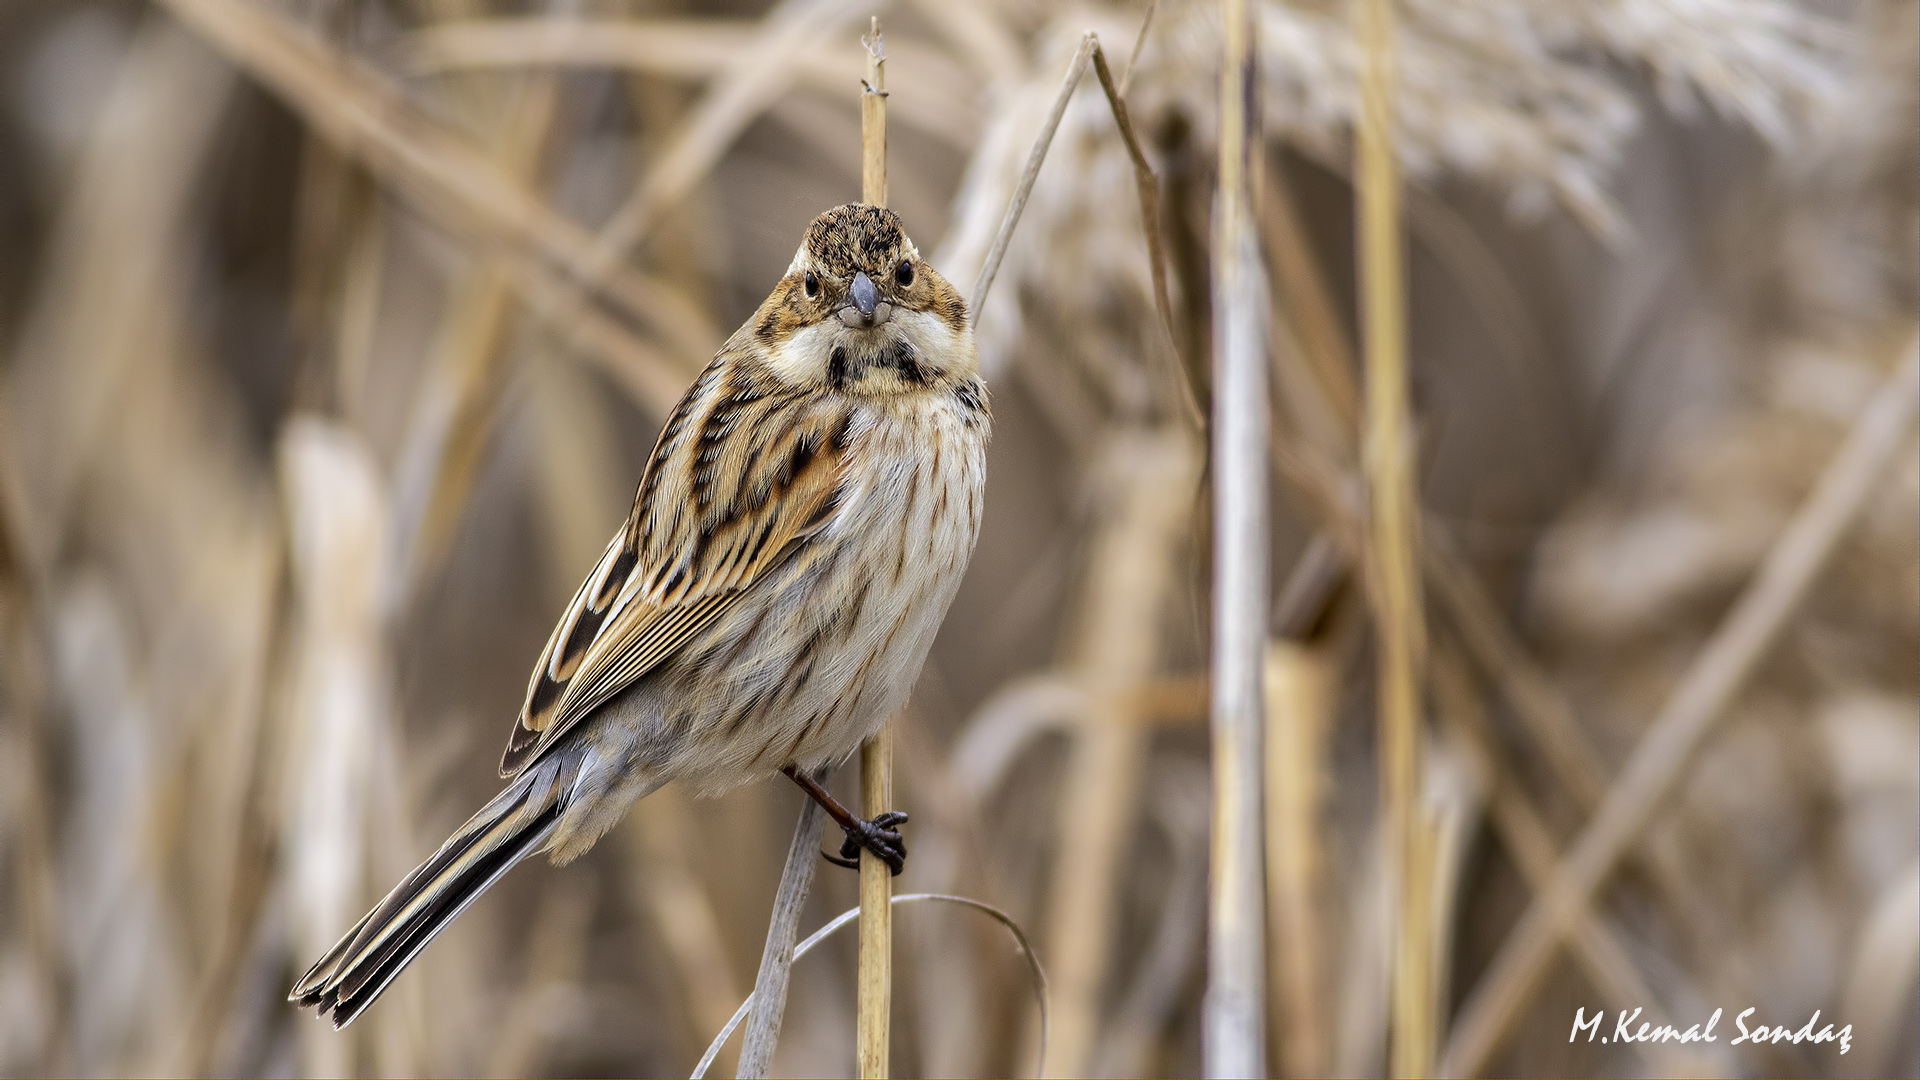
(877, 836)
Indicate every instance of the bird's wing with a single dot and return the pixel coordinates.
(742, 478)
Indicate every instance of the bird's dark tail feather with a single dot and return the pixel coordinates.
(515, 824)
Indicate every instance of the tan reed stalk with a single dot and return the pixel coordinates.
(1489, 639)
(1300, 701)
(363, 114)
(1597, 943)
(1884, 965)
(681, 908)
(1393, 540)
(1662, 755)
(1311, 314)
(937, 90)
(752, 80)
(1142, 505)
(873, 1024)
(454, 412)
(1233, 1037)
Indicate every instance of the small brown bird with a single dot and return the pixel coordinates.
(797, 537)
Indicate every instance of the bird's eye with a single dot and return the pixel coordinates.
(904, 274)
(812, 284)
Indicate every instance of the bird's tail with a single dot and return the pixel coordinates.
(517, 823)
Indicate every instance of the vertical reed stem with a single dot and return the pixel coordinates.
(1300, 699)
(876, 754)
(1393, 540)
(1233, 1033)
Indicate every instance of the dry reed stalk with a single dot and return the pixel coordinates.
(1233, 1039)
(1180, 387)
(582, 481)
(1491, 641)
(1393, 521)
(454, 412)
(990, 266)
(769, 997)
(364, 115)
(833, 926)
(557, 955)
(1178, 798)
(873, 1023)
(337, 533)
(1302, 286)
(1663, 753)
(681, 910)
(934, 87)
(1300, 702)
(1549, 718)
(1598, 944)
(1326, 379)
(1596, 941)
(30, 809)
(752, 81)
(1147, 185)
(1143, 496)
(1300, 289)
(101, 329)
(1882, 975)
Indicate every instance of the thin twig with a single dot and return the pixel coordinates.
(1039, 973)
(1145, 181)
(977, 299)
(776, 959)
(1233, 1038)
(1660, 759)
(1140, 39)
(1148, 186)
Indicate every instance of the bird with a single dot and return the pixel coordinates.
(798, 534)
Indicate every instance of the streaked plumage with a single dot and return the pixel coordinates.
(796, 539)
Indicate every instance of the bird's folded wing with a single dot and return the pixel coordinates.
(740, 481)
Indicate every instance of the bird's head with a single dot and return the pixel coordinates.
(859, 311)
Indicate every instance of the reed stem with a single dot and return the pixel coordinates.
(876, 754)
(1393, 542)
(1660, 759)
(1233, 1040)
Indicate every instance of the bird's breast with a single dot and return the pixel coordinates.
(822, 652)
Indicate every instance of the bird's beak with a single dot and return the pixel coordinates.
(865, 308)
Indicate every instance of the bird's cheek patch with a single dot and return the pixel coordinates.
(804, 357)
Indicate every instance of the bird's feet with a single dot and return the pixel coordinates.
(878, 836)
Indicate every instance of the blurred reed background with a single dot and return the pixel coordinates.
(336, 333)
